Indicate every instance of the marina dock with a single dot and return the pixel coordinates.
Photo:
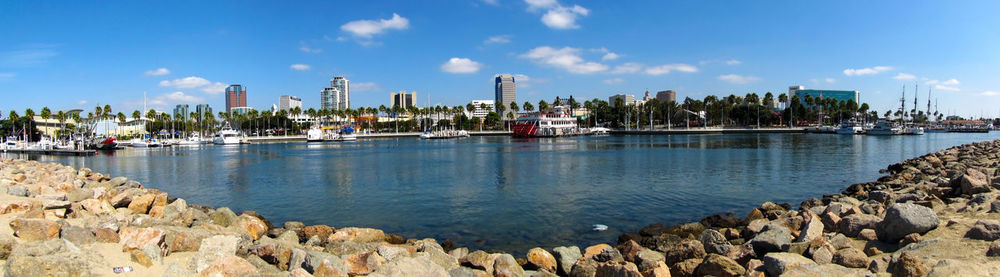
(279, 139)
(55, 152)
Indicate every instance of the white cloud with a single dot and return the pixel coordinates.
(214, 88)
(498, 39)
(307, 49)
(989, 93)
(563, 18)
(831, 80)
(866, 71)
(738, 79)
(186, 82)
(300, 67)
(81, 102)
(534, 5)
(180, 97)
(667, 68)
(461, 66)
(610, 56)
(158, 72)
(950, 82)
(368, 28)
(364, 86)
(614, 81)
(733, 62)
(904, 76)
(627, 68)
(943, 87)
(567, 58)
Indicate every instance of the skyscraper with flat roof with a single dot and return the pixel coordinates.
(203, 109)
(666, 95)
(182, 110)
(236, 97)
(505, 92)
(338, 95)
(403, 99)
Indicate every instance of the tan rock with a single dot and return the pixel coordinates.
(325, 269)
(141, 258)
(106, 235)
(357, 235)
(251, 225)
(229, 266)
(321, 231)
(136, 238)
(97, 207)
(591, 251)
(157, 211)
(141, 204)
(363, 263)
(542, 259)
(35, 229)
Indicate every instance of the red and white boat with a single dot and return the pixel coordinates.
(554, 123)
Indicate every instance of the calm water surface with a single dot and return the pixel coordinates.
(512, 194)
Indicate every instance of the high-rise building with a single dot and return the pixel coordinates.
(403, 99)
(505, 92)
(236, 97)
(666, 95)
(338, 95)
(627, 99)
(182, 110)
(203, 109)
(288, 102)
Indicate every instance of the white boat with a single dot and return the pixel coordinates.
(913, 130)
(344, 137)
(850, 128)
(154, 143)
(884, 128)
(138, 143)
(600, 131)
(557, 122)
(445, 134)
(314, 135)
(12, 143)
(191, 141)
(226, 136)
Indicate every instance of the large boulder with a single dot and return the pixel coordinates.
(689, 249)
(250, 225)
(812, 229)
(222, 216)
(541, 259)
(778, 263)
(51, 258)
(137, 238)
(902, 219)
(714, 242)
(357, 235)
(851, 225)
(213, 249)
(851, 257)
(229, 265)
(623, 269)
(973, 182)
(776, 238)
(35, 229)
(505, 266)
(984, 229)
(566, 256)
(406, 266)
(720, 266)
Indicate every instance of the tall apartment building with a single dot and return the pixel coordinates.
(288, 102)
(236, 97)
(203, 109)
(403, 99)
(182, 110)
(666, 95)
(504, 90)
(338, 95)
(627, 99)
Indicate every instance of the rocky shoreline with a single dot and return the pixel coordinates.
(935, 215)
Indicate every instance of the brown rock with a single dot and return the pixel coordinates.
(911, 238)
(97, 207)
(251, 225)
(741, 253)
(872, 251)
(851, 257)
(106, 235)
(542, 259)
(868, 235)
(629, 249)
(229, 266)
(690, 249)
(592, 251)
(720, 266)
(754, 215)
(685, 268)
(625, 269)
(479, 260)
(321, 231)
(136, 238)
(830, 221)
(325, 269)
(994, 250)
(141, 258)
(157, 211)
(908, 265)
(141, 204)
(659, 269)
(363, 263)
(35, 229)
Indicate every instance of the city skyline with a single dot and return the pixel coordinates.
(585, 49)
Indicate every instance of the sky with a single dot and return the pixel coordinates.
(80, 54)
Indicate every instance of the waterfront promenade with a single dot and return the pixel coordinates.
(302, 138)
(932, 215)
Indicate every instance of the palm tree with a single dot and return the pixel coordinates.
(542, 105)
(76, 118)
(501, 108)
(61, 116)
(528, 107)
(46, 113)
(12, 115)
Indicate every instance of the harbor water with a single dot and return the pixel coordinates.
(511, 194)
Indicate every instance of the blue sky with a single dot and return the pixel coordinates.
(77, 55)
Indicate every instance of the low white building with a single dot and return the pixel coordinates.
(479, 111)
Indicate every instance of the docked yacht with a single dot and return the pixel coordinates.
(226, 136)
(138, 143)
(850, 128)
(314, 135)
(445, 134)
(884, 128)
(600, 131)
(913, 130)
(191, 141)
